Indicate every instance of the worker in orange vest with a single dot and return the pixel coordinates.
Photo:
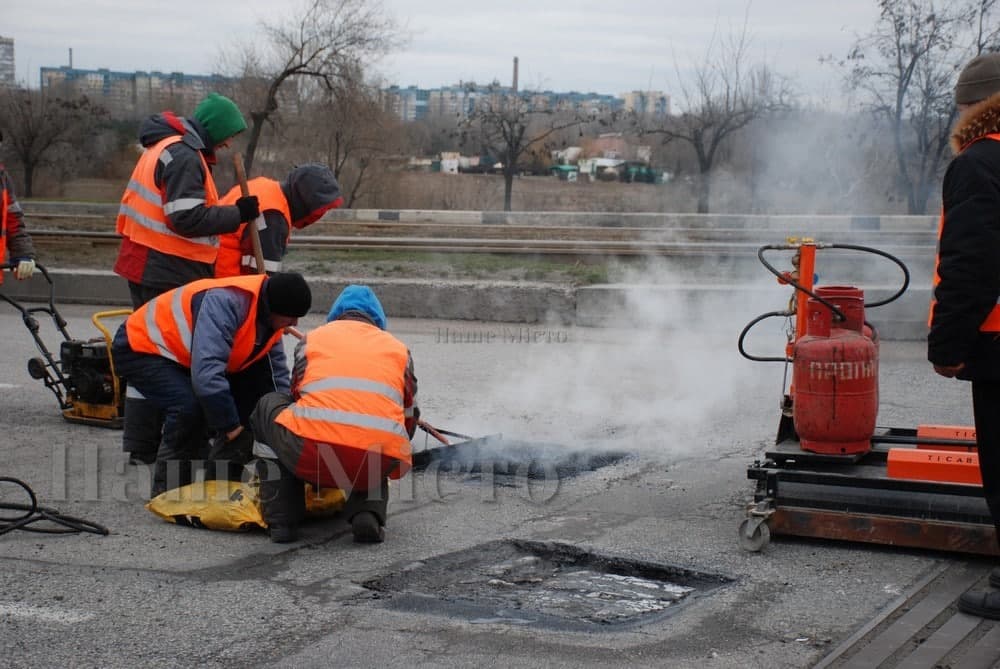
(308, 192)
(204, 354)
(347, 422)
(170, 220)
(964, 337)
(14, 238)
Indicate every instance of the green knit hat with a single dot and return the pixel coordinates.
(220, 117)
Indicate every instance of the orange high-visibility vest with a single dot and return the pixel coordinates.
(350, 393)
(141, 216)
(164, 325)
(231, 261)
(992, 322)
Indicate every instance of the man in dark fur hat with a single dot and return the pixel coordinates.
(964, 339)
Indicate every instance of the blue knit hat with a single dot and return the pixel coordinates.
(220, 117)
(358, 298)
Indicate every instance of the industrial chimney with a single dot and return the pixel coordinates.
(514, 85)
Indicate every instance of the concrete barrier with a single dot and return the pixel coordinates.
(739, 287)
(633, 305)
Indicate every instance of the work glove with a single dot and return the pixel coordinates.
(239, 450)
(249, 208)
(24, 269)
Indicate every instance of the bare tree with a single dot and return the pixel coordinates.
(348, 126)
(907, 67)
(506, 125)
(324, 43)
(725, 96)
(40, 127)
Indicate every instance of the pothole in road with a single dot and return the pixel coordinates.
(507, 460)
(543, 583)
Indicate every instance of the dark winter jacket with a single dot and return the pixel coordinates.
(181, 177)
(969, 249)
(218, 315)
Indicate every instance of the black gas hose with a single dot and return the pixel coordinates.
(32, 513)
(838, 314)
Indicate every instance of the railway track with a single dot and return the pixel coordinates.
(91, 226)
(492, 245)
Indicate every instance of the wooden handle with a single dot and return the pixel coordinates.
(434, 433)
(241, 176)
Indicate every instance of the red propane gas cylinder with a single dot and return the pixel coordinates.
(835, 376)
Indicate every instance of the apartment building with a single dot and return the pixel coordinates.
(7, 70)
(128, 95)
(462, 99)
(653, 104)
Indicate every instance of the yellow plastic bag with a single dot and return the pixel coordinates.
(232, 505)
(323, 502)
(214, 505)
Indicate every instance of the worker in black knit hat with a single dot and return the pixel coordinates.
(205, 353)
(964, 338)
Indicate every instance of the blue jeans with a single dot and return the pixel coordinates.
(166, 384)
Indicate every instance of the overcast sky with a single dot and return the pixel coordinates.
(603, 46)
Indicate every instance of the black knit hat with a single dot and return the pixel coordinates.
(288, 294)
(979, 79)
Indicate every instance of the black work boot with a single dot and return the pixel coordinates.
(367, 529)
(170, 475)
(282, 499)
(366, 511)
(982, 603)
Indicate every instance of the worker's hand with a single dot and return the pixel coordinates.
(235, 446)
(949, 371)
(249, 208)
(24, 269)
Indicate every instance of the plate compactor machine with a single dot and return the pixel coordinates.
(832, 472)
(83, 377)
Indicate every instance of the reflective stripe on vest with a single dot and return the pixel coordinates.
(142, 216)
(231, 260)
(351, 390)
(992, 322)
(163, 326)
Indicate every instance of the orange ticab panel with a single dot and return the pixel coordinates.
(928, 435)
(946, 466)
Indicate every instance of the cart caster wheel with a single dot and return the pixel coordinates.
(754, 534)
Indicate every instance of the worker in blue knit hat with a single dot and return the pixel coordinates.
(170, 220)
(346, 423)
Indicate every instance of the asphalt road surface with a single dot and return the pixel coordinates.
(678, 398)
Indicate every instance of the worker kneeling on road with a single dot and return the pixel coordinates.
(346, 424)
(206, 352)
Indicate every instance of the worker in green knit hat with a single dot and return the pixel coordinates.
(170, 221)
(221, 119)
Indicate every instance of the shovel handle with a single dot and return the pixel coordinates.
(241, 177)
